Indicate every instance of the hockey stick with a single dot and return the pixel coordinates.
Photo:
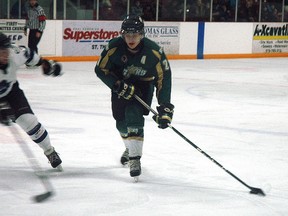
(253, 190)
(35, 166)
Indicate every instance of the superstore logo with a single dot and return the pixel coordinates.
(89, 36)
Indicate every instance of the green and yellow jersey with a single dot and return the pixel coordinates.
(147, 69)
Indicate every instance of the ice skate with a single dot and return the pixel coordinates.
(135, 167)
(125, 157)
(54, 159)
(32, 67)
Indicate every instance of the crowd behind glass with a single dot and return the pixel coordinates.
(155, 10)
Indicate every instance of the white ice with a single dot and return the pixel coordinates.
(235, 110)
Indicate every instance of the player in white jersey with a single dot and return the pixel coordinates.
(13, 103)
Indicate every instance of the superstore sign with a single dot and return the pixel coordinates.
(89, 38)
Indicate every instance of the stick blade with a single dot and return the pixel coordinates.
(257, 191)
(42, 197)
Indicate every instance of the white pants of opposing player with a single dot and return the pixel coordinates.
(29, 123)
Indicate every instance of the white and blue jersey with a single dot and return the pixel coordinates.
(18, 56)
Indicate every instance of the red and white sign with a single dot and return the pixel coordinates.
(89, 38)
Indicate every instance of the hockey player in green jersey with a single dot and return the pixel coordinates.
(133, 64)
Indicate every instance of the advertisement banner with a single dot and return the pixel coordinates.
(89, 38)
(270, 38)
(14, 29)
(166, 35)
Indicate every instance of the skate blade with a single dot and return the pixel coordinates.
(136, 179)
(126, 165)
(60, 168)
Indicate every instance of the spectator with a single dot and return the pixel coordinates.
(137, 9)
(286, 11)
(106, 11)
(270, 13)
(198, 10)
(15, 10)
(221, 11)
(149, 13)
(171, 11)
(121, 9)
(248, 11)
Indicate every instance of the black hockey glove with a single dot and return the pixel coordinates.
(124, 90)
(51, 68)
(6, 114)
(165, 115)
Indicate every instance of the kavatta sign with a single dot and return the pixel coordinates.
(270, 38)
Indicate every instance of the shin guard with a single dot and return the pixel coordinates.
(29, 123)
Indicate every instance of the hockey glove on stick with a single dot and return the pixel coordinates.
(124, 90)
(165, 114)
(51, 68)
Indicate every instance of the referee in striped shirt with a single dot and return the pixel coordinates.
(35, 22)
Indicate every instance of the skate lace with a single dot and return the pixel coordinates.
(134, 164)
(125, 154)
(53, 157)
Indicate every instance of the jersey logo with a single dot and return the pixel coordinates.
(4, 85)
(133, 70)
(124, 59)
(143, 60)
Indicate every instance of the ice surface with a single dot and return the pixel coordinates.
(235, 110)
